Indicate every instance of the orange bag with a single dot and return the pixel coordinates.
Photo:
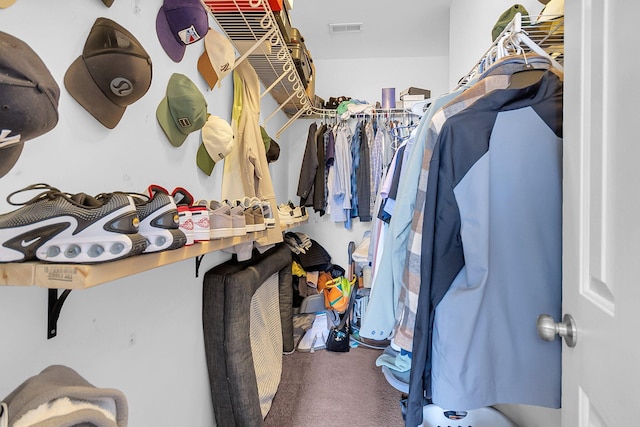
(337, 292)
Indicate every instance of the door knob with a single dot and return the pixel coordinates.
(548, 329)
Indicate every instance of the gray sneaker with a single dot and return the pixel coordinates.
(238, 220)
(220, 222)
(258, 217)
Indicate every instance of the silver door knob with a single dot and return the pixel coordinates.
(548, 329)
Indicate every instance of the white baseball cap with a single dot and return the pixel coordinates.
(217, 143)
(218, 58)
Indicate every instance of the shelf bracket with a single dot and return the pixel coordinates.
(198, 262)
(291, 120)
(54, 308)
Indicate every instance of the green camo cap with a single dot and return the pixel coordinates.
(182, 111)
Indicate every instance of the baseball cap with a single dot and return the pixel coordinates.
(553, 9)
(183, 110)
(217, 142)
(218, 58)
(113, 72)
(180, 23)
(6, 3)
(29, 97)
(271, 147)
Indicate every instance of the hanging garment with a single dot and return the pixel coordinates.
(407, 198)
(309, 168)
(329, 137)
(341, 191)
(248, 160)
(370, 134)
(355, 165)
(494, 183)
(318, 186)
(364, 175)
(411, 217)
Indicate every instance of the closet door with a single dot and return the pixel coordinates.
(601, 214)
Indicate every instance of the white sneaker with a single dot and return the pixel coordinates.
(285, 213)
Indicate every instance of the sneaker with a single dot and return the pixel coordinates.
(220, 222)
(238, 219)
(285, 214)
(265, 210)
(201, 226)
(299, 212)
(199, 214)
(185, 221)
(250, 219)
(258, 217)
(59, 227)
(269, 219)
(159, 221)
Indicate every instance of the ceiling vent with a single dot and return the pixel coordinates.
(346, 28)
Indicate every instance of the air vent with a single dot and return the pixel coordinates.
(346, 28)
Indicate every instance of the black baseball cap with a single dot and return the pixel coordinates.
(28, 99)
(113, 72)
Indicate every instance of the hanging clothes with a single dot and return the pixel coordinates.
(319, 183)
(246, 170)
(407, 232)
(341, 183)
(309, 168)
(364, 175)
(495, 166)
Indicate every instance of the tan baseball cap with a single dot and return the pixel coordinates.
(6, 3)
(218, 58)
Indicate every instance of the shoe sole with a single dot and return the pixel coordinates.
(221, 233)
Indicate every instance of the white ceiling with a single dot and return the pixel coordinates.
(391, 28)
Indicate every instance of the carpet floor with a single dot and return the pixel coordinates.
(331, 389)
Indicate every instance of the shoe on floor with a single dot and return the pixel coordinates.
(60, 227)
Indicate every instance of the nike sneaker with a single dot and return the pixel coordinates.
(59, 227)
(159, 221)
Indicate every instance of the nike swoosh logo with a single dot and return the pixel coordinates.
(26, 243)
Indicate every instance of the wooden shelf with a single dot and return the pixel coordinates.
(83, 276)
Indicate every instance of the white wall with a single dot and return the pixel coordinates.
(142, 334)
(471, 23)
(470, 28)
(361, 79)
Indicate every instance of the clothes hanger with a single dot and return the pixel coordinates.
(525, 77)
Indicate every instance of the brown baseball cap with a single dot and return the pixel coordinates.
(113, 72)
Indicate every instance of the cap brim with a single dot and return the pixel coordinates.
(163, 114)
(206, 70)
(83, 89)
(9, 157)
(204, 161)
(174, 48)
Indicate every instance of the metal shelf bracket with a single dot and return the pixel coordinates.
(54, 308)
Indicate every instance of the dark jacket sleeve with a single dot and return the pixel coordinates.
(308, 169)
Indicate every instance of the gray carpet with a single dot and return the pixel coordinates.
(334, 389)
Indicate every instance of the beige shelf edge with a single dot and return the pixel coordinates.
(83, 276)
(17, 274)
